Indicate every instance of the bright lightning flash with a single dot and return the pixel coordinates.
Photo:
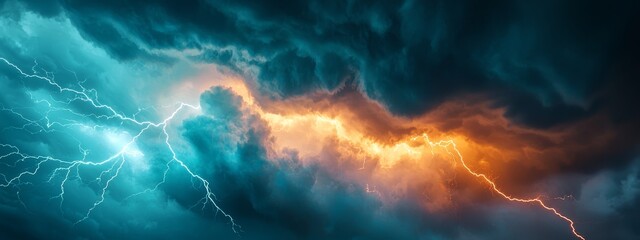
(111, 166)
(494, 187)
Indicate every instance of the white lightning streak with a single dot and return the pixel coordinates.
(111, 165)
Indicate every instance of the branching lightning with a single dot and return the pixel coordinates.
(111, 166)
(447, 144)
(401, 147)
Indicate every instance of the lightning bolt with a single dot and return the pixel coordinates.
(111, 165)
(332, 125)
(383, 151)
(447, 144)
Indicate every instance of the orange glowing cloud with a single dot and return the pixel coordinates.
(427, 157)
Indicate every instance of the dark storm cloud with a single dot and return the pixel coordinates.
(292, 200)
(546, 62)
(285, 199)
(294, 72)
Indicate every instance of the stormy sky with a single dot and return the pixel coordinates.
(319, 119)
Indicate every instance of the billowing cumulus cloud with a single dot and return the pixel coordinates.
(319, 120)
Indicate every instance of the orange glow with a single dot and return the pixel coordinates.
(495, 188)
(401, 159)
